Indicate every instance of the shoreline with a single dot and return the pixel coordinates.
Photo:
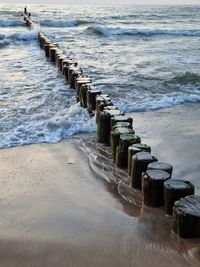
(56, 210)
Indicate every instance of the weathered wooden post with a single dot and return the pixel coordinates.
(83, 94)
(91, 99)
(66, 66)
(162, 166)
(125, 141)
(122, 124)
(186, 217)
(153, 187)
(101, 102)
(52, 54)
(175, 189)
(103, 125)
(71, 70)
(65, 62)
(75, 75)
(121, 118)
(115, 136)
(78, 83)
(132, 150)
(60, 59)
(59, 54)
(47, 47)
(44, 40)
(140, 161)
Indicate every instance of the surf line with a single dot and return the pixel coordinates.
(115, 129)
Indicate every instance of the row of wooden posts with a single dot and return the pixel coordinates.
(27, 18)
(115, 129)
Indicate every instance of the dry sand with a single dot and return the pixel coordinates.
(56, 211)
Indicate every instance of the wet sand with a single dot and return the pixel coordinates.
(56, 211)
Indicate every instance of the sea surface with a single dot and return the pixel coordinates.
(145, 57)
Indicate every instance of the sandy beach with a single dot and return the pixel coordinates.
(56, 211)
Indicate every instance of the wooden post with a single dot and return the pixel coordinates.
(103, 125)
(91, 99)
(59, 54)
(115, 136)
(44, 40)
(132, 150)
(67, 62)
(80, 82)
(53, 54)
(152, 187)
(122, 124)
(83, 95)
(125, 141)
(66, 68)
(186, 217)
(70, 71)
(175, 189)
(75, 75)
(102, 101)
(60, 59)
(140, 162)
(121, 118)
(47, 47)
(162, 166)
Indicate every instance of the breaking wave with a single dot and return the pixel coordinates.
(62, 23)
(109, 31)
(186, 78)
(166, 102)
(18, 37)
(44, 128)
(11, 23)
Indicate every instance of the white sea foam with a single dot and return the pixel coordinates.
(38, 128)
(165, 102)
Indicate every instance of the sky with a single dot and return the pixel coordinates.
(110, 2)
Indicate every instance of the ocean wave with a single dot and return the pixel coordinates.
(62, 23)
(109, 31)
(45, 128)
(11, 23)
(17, 37)
(186, 78)
(165, 102)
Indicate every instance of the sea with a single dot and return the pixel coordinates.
(145, 57)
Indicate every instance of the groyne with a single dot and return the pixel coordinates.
(154, 179)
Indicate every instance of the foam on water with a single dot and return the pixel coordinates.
(165, 102)
(39, 128)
